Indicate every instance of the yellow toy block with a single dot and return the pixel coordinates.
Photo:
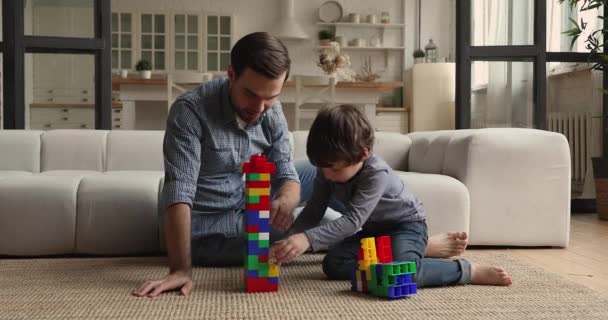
(273, 270)
(264, 177)
(258, 191)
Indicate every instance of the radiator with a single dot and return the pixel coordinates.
(576, 126)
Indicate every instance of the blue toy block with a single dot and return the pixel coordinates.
(253, 248)
(264, 225)
(252, 273)
(253, 217)
(273, 280)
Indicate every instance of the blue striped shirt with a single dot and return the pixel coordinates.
(204, 147)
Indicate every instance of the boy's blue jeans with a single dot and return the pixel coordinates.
(408, 242)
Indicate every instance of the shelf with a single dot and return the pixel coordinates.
(391, 109)
(362, 25)
(364, 48)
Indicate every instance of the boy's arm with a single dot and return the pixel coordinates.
(363, 202)
(315, 207)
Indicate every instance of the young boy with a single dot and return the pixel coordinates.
(376, 201)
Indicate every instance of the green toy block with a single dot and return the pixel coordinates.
(263, 270)
(252, 262)
(253, 236)
(253, 199)
(264, 243)
(253, 177)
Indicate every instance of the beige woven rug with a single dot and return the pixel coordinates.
(99, 288)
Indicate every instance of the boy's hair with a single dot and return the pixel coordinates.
(262, 53)
(339, 133)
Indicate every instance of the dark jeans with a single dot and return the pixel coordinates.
(408, 241)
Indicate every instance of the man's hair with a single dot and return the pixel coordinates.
(262, 53)
(339, 133)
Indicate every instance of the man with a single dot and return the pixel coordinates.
(210, 131)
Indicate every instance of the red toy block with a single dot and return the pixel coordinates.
(260, 285)
(264, 204)
(258, 164)
(257, 184)
(384, 250)
(253, 229)
(360, 254)
(263, 258)
(258, 206)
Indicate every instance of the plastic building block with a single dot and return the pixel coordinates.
(261, 275)
(378, 275)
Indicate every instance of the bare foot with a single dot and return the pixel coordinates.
(448, 244)
(488, 275)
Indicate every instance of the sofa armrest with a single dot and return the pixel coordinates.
(518, 181)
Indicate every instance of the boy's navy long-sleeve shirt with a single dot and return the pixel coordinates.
(375, 195)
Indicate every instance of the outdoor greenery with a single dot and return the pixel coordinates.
(596, 40)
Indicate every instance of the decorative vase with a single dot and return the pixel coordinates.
(124, 73)
(145, 74)
(418, 60)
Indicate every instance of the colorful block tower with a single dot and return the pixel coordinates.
(378, 274)
(261, 275)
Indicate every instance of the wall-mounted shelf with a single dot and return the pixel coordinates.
(365, 48)
(385, 49)
(362, 25)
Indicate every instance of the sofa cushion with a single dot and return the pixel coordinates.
(73, 150)
(134, 150)
(118, 213)
(445, 200)
(38, 214)
(428, 151)
(7, 174)
(24, 147)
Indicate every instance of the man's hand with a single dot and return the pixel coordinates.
(281, 207)
(178, 280)
(290, 248)
(280, 214)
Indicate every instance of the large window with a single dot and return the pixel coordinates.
(55, 52)
(153, 40)
(122, 41)
(186, 42)
(219, 42)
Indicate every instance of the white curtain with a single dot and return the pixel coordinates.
(502, 91)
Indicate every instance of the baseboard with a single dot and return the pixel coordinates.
(582, 206)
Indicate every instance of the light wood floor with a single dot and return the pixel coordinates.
(585, 261)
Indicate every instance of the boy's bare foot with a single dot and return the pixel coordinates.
(448, 244)
(488, 275)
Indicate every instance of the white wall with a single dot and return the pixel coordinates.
(260, 15)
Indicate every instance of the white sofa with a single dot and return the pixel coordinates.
(96, 192)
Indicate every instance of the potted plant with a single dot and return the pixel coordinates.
(145, 68)
(599, 59)
(325, 37)
(418, 56)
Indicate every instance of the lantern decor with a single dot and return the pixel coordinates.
(430, 51)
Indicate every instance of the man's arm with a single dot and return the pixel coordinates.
(177, 234)
(283, 204)
(285, 180)
(181, 150)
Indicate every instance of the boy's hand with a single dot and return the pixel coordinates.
(178, 280)
(286, 250)
(280, 214)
